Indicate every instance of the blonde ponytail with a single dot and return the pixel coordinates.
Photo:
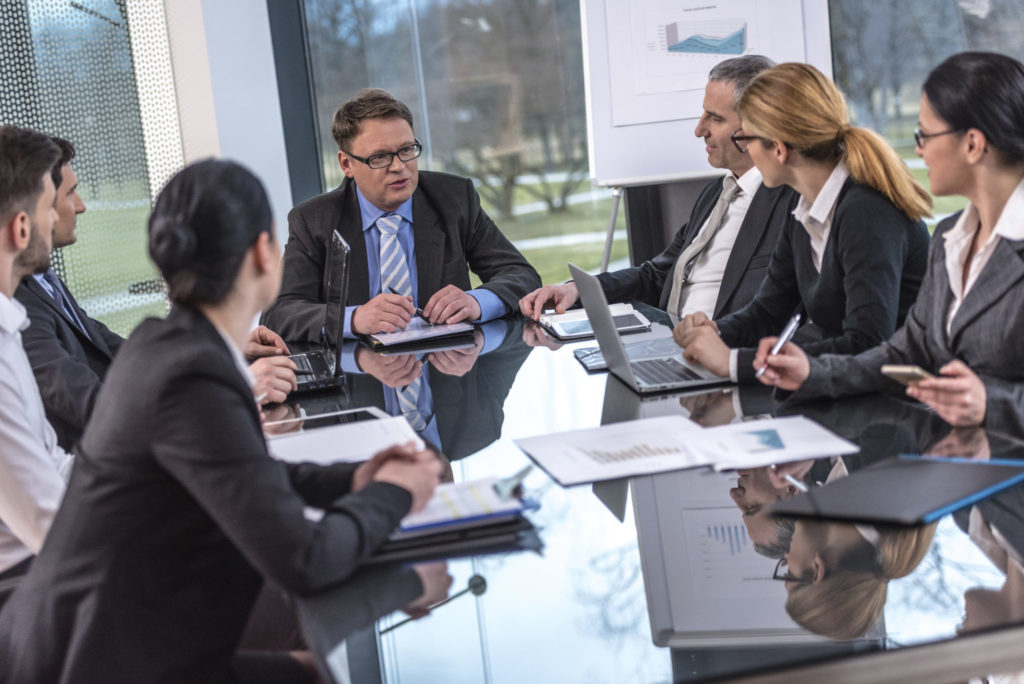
(795, 103)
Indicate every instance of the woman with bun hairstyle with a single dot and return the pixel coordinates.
(968, 321)
(852, 259)
(175, 514)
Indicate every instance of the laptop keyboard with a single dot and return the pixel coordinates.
(662, 371)
(302, 362)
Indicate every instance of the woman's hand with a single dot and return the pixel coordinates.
(957, 395)
(786, 370)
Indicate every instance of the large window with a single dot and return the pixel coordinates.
(496, 89)
(67, 68)
(883, 50)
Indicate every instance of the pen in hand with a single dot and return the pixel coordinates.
(785, 336)
(418, 311)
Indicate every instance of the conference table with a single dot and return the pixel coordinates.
(665, 577)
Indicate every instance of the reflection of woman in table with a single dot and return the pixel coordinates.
(968, 320)
(175, 514)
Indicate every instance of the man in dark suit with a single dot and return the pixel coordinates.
(70, 352)
(717, 260)
(414, 236)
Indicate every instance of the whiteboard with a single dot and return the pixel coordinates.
(645, 64)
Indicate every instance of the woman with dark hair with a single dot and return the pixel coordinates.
(175, 514)
(852, 259)
(968, 320)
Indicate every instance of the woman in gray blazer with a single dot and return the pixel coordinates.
(968, 320)
(175, 514)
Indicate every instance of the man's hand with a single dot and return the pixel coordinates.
(560, 296)
(451, 305)
(535, 336)
(702, 344)
(417, 472)
(690, 323)
(436, 583)
(460, 361)
(958, 394)
(275, 378)
(384, 313)
(394, 370)
(264, 342)
(786, 370)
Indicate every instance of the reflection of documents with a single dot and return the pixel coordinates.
(345, 443)
(758, 443)
(458, 505)
(417, 331)
(723, 562)
(636, 447)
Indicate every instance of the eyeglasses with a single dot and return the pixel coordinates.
(783, 574)
(383, 160)
(740, 140)
(920, 137)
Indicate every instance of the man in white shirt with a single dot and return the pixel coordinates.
(717, 260)
(33, 468)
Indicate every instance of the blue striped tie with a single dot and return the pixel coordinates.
(394, 271)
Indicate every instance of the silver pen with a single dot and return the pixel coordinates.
(785, 336)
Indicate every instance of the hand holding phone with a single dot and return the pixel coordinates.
(905, 374)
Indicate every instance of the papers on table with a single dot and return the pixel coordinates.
(459, 505)
(417, 331)
(656, 445)
(574, 324)
(344, 443)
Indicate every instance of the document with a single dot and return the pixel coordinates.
(758, 443)
(574, 324)
(635, 447)
(457, 506)
(344, 443)
(417, 331)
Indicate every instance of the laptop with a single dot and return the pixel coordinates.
(320, 369)
(655, 367)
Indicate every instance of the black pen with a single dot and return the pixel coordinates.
(785, 336)
(418, 312)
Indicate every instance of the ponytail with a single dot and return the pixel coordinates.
(872, 162)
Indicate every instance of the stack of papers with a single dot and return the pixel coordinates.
(657, 445)
(344, 443)
(419, 330)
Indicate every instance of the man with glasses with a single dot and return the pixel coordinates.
(422, 234)
(717, 260)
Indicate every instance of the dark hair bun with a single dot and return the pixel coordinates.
(172, 244)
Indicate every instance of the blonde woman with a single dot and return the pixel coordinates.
(967, 323)
(852, 259)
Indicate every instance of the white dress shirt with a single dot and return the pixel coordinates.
(816, 218)
(33, 469)
(701, 294)
(958, 243)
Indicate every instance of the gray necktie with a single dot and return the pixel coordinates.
(688, 258)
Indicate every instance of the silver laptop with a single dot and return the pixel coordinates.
(654, 367)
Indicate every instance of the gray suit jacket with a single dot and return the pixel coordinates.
(650, 282)
(452, 235)
(985, 335)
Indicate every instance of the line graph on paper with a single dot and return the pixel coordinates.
(722, 37)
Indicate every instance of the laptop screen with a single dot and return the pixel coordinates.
(336, 277)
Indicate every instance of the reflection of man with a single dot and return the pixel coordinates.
(753, 492)
(414, 236)
(717, 260)
(70, 352)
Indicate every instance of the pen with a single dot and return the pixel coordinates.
(303, 371)
(418, 312)
(795, 482)
(784, 337)
(260, 398)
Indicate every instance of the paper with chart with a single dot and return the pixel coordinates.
(758, 443)
(635, 447)
(660, 51)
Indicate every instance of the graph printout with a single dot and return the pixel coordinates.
(660, 51)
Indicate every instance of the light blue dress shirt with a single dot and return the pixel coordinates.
(491, 306)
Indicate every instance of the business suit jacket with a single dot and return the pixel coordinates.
(651, 282)
(452, 235)
(874, 260)
(985, 335)
(69, 366)
(173, 513)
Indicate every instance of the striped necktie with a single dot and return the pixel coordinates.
(394, 271)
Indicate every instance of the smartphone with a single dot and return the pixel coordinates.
(905, 374)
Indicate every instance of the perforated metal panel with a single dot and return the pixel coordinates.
(67, 67)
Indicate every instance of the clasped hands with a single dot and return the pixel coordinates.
(698, 336)
(390, 313)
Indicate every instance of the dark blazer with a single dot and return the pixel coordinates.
(871, 270)
(173, 513)
(651, 282)
(985, 335)
(69, 366)
(452, 235)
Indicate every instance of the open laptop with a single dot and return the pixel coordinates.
(320, 369)
(657, 368)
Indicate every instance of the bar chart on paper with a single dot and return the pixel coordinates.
(722, 558)
(721, 539)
